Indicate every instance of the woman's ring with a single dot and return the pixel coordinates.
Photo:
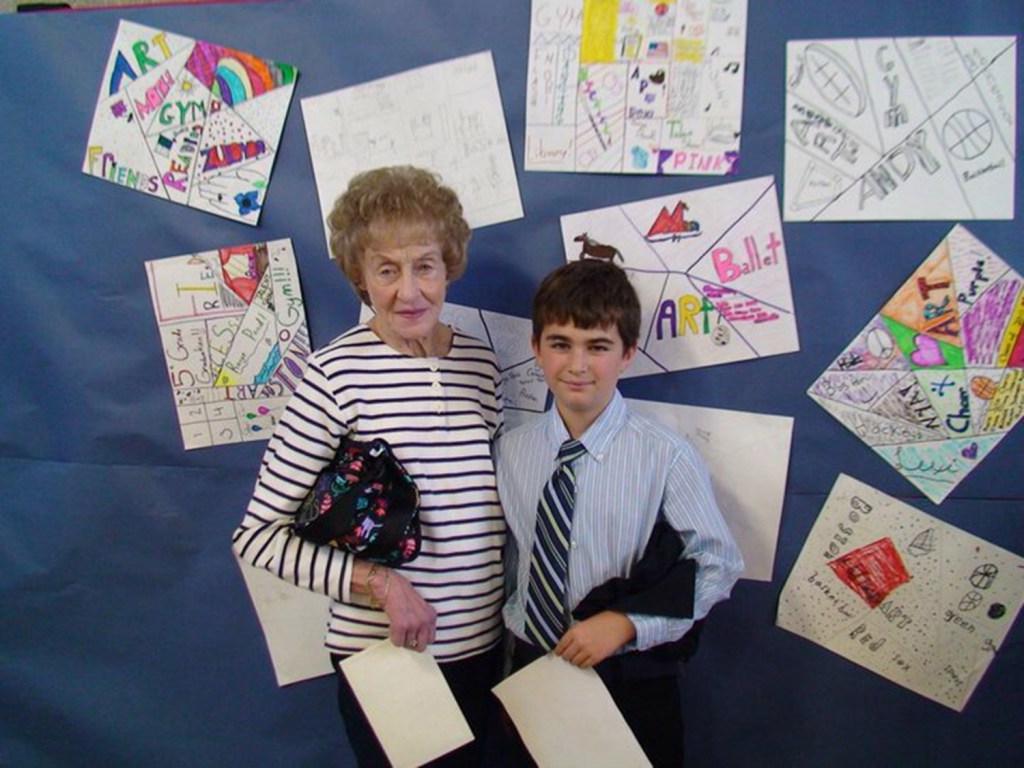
(412, 643)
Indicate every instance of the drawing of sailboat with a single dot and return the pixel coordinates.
(923, 543)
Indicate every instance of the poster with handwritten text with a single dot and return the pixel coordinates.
(710, 269)
(232, 327)
(936, 379)
(902, 593)
(445, 117)
(192, 122)
(900, 128)
(635, 87)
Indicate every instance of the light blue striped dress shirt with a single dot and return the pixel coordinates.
(633, 467)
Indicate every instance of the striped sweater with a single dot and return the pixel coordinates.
(440, 416)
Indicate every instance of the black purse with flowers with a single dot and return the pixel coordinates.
(365, 503)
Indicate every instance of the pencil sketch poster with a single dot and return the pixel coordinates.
(190, 121)
(446, 117)
(524, 390)
(901, 593)
(233, 331)
(709, 267)
(635, 87)
(936, 378)
(900, 128)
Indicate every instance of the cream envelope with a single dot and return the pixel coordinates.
(567, 718)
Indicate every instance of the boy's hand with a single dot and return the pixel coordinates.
(595, 639)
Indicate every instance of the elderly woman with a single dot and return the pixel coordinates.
(433, 393)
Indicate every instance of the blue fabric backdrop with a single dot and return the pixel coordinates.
(127, 635)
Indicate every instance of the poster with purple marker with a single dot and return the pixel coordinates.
(936, 378)
(192, 122)
(710, 269)
(644, 88)
(232, 326)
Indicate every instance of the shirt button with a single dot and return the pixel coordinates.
(573, 544)
(436, 386)
(434, 367)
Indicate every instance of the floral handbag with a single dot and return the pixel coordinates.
(365, 503)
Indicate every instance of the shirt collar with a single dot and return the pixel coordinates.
(599, 435)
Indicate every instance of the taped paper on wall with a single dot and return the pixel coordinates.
(900, 128)
(646, 88)
(189, 121)
(709, 266)
(902, 593)
(233, 330)
(936, 379)
(445, 117)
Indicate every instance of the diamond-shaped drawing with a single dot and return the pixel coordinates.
(189, 121)
(936, 379)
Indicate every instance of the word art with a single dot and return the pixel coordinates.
(189, 121)
(902, 593)
(936, 379)
(635, 87)
(233, 330)
(446, 117)
(900, 128)
(709, 267)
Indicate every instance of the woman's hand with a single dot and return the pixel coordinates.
(413, 620)
(593, 640)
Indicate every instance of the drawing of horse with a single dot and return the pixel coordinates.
(593, 249)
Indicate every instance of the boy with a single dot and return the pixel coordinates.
(624, 473)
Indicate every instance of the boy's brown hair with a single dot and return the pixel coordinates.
(589, 294)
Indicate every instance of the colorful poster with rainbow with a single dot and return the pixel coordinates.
(936, 379)
(189, 121)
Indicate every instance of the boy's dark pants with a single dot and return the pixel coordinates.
(645, 691)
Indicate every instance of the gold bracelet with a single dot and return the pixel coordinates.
(387, 585)
(374, 603)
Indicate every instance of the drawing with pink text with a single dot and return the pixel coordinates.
(189, 121)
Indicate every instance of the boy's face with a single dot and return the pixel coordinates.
(582, 367)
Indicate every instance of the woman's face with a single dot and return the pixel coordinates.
(406, 282)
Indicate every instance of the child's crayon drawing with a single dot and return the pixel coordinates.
(902, 593)
(233, 331)
(900, 128)
(446, 117)
(635, 87)
(710, 269)
(189, 121)
(936, 379)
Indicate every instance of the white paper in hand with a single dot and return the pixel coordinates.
(566, 717)
(408, 703)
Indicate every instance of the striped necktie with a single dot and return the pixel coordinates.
(546, 613)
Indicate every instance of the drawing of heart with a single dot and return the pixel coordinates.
(926, 352)
(970, 452)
